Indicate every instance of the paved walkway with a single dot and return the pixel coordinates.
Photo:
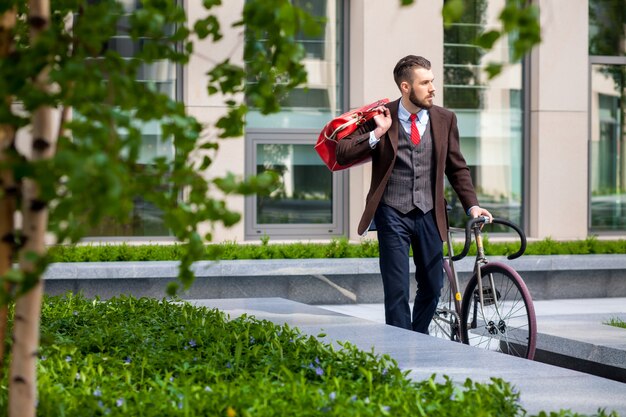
(543, 309)
(571, 333)
(542, 387)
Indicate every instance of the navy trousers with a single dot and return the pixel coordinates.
(398, 232)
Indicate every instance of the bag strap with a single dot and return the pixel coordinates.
(357, 118)
(352, 121)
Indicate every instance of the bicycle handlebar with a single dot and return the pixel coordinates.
(484, 219)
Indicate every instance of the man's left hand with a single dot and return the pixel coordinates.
(477, 211)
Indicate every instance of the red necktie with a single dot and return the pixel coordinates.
(415, 134)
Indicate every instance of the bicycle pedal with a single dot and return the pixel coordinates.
(488, 296)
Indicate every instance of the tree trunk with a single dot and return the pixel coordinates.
(23, 375)
(23, 378)
(7, 184)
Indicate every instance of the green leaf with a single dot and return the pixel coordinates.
(452, 11)
(493, 69)
(206, 163)
(172, 288)
(487, 39)
(210, 3)
(208, 26)
(14, 276)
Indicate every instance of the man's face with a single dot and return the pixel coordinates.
(421, 90)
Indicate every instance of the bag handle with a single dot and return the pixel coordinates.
(357, 118)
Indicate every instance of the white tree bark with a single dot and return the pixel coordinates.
(7, 184)
(23, 377)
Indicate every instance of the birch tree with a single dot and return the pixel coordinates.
(34, 211)
(7, 197)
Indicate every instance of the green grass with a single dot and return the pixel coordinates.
(144, 357)
(337, 248)
(616, 322)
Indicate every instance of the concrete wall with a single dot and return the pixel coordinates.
(208, 109)
(559, 120)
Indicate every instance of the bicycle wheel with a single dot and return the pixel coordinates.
(445, 322)
(505, 322)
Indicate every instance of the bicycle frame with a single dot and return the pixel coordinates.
(457, 295)
(486, 293)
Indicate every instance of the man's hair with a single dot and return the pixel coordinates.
(404, 68)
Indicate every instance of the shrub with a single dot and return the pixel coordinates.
(144, 357)
(336, 248)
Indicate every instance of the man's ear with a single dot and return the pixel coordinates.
(405, 87)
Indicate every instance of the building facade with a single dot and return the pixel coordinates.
(545, 140)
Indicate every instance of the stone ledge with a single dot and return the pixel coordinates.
(332, 266)
(584, 343)
(325, 281)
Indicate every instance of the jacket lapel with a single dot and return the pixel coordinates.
(438, 131)
(395, 125)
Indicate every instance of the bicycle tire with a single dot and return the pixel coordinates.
(510, 328)
(445, 323)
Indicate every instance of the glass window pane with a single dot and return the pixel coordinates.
(321, 99)
(161, 76)
(144, 220)
(309, 200)
(490, 114)
(607, 27)
(608, 148)
(305, 194)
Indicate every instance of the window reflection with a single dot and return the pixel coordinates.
(311, 106)
(305, 192)
(308, 202)
(607, 27)
(145, 218)
(490, 114)
(608, 148)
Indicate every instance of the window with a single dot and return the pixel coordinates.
(145, 219)
(490, 115)
(607, 139)
(308, 203)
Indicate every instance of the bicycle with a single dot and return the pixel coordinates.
(496, 311)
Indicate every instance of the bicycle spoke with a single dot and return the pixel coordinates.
(503, 326)
(445, 322)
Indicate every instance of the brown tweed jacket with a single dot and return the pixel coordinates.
(447, 160)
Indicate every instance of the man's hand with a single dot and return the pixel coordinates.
(383, 121)
(477, 211)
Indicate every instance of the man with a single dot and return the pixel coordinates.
(412, 143)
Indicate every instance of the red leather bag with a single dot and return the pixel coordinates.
(339, 128)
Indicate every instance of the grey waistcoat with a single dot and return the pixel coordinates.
(411, 182)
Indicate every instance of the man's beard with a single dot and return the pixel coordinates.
(422, 104)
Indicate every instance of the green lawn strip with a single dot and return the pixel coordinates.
(144, 357)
